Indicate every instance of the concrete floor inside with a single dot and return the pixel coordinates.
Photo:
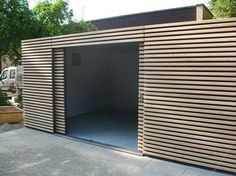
(116, 127)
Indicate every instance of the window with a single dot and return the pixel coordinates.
(12, 74)
(4, 74)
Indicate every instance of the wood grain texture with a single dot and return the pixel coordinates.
(37, 85)
(140, 101)
(59, 91)
(187, 87)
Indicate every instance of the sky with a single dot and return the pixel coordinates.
(98, 9)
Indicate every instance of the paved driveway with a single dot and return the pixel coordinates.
(27, 152)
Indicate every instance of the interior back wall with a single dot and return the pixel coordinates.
(124, 78)
(101, 77)
(88, 82)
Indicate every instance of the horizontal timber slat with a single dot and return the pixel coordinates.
(187, 79)
(187, 87)
(59, 91)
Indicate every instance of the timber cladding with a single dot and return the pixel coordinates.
(59, 91)
(38, 85)
(187, 87)
(190, 93)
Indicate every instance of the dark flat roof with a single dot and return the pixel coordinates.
(146, 18)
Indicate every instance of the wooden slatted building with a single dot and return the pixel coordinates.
(186, 89)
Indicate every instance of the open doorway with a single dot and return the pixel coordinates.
(102, 93)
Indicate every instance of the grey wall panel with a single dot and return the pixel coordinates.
(105, 77)
(147, 18)
(124, 77)
(87, 82)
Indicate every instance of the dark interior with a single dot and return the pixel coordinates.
(102, 94)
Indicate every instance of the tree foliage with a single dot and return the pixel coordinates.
(223, 8)
(74, 27)
(17, 23)
(54, 15)
(48, 18)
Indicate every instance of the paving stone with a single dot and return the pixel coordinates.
(90, 151)
(223, 174)
(27, 152)
(163, 168)
(195, 171)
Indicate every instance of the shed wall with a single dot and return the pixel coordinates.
(187, 87)
(189, 90)
(38, 84)
(59, 90)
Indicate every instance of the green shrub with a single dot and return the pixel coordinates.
(3, 99)
(19, 100)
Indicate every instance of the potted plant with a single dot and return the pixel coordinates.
(8, 114)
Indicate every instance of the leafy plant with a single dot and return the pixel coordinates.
(17, 22)
(223, 8)
(57, 19)
(19, 101)
(3, 99)
(53, 15)
(48, 18)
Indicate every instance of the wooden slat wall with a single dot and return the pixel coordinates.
(38, 51)
(140, 98)
(37, 84)
(124, 35)
(59, 91)
(131, 34)
(189, 88)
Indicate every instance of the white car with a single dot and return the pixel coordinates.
(10, 79)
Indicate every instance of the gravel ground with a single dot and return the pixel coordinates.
(8, 127)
